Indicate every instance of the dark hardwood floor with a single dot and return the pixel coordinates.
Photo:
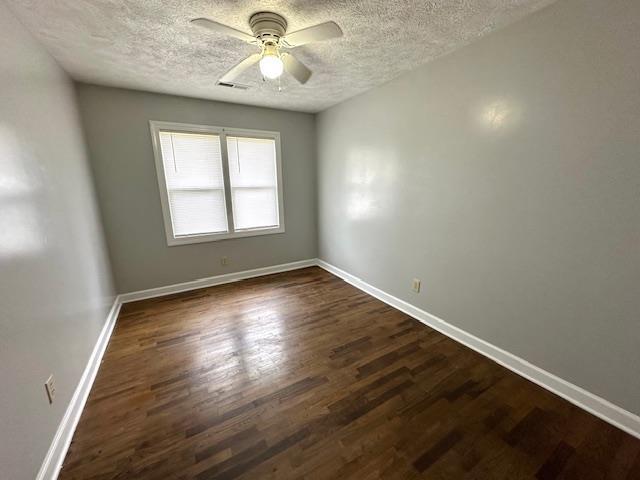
(300, 375)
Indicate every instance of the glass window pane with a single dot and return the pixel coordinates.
(255, 207)
(191, 160)
(195, 184)
(252, 162)
(253, 177)
(197, 211)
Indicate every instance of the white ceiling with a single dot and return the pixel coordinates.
(150, 45)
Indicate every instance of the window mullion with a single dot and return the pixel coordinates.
(227, 181)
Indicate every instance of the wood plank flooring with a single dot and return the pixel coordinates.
(301, 376)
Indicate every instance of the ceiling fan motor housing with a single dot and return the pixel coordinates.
(268, 26)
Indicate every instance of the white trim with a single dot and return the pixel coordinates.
(598, 406)
(214, 237)
(172, 240)
(215, 280)
(62, 439)
(593, 404)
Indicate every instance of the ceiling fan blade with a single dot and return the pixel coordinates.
(296, 68)
(235, 72)
(224, 29)
(317, 33)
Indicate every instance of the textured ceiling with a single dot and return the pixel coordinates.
(150, 44)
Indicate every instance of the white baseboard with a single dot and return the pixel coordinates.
(215, 280)
(598, 406)
(593, 404)
(62, 439)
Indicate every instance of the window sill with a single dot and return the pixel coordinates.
(214, 237)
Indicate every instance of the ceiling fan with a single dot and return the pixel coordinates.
(269, 34)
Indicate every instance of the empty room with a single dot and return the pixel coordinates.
(324, 240)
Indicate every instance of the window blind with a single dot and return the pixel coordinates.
(253, 182)
(195, 182)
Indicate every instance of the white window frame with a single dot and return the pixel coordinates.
(173, 240)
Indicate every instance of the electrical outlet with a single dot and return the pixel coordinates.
(50, 388)
(415, 286)
(224, 261)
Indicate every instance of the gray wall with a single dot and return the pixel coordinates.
(507, 177)
(116, 123)
(55, 286)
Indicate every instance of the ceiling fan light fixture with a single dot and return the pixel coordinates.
(270, 35)
(271, 65)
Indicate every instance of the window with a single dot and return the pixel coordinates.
(217, 183)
